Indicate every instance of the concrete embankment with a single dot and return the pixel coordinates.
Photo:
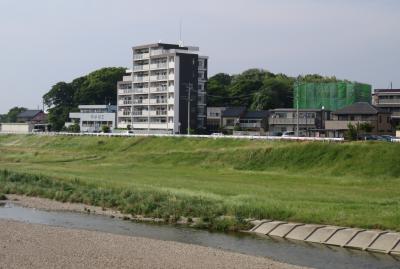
(370, 240)
(38, 246)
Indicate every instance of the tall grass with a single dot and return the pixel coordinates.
(350, 184)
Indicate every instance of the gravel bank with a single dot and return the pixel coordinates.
(52, 205)
(25, 245)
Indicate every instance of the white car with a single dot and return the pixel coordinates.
(288, 134)
(217, 134)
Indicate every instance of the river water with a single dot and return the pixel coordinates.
(299, 253)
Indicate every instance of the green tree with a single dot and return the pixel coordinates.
(218, 90)
(12, 114)
(366, 127)
(98, 87)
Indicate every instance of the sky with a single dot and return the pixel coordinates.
(43, 42)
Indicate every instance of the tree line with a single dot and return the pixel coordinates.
(256, 89)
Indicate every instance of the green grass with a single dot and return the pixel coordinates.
(350, 184)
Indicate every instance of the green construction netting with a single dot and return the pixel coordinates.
(332, 96)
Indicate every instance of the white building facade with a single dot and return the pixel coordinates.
(165, 91)
(92, 118)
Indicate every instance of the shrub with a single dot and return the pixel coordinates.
(105, 129)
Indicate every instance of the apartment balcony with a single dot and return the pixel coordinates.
(158, 77)
(171, 100)
(171, 76)
(250, 125)
(171, 64)
(125, 91)
(158, 101)
(141, 101)
(127, 78)
(141, 56)
(395, 114)
(140, 125)
(140, 90)
(171, 89)
(140, 113)
(158, 113)
(125, 103)
(389, 102)
(158, 89)
(291, 121)
(144, 67)
(159, 66)
(171, 113)
(159, 52)
(122, 114)
(140, 79)
(155, 125)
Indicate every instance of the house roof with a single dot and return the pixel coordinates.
(256, 114)
(359, 108)
(387, 90)
(235, 111)
(29, 113)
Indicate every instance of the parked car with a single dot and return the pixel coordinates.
(217, 134)
(289, 134)
(387, 138)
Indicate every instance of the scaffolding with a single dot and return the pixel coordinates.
(330, 96)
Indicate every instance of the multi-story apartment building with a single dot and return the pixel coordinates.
(389, 101)
(165, 92)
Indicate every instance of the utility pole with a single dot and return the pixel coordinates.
(189, 88)
(297, 108)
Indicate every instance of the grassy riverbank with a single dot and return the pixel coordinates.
(352, 184)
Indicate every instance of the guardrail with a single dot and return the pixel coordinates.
(324, 139)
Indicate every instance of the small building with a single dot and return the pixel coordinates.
(32, 116)
(92, 118)
(361, 112)
(30, 120)
(389, 101)
(311, 121)
(214, 117)
(253, 123)
(239, 121)
(17, 127)
(230, 117)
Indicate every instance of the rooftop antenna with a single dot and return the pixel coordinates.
(391, 85)
(180, 42)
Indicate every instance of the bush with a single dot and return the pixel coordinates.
(105, 129)
(75, 128)
(3, 197)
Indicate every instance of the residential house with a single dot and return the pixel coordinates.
(214, 116)
(237, 120)
(388, 100)
(311, 121)
(361, 112)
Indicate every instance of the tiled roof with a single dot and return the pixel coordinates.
(29, 113)
(236, 111)
(360, 108)
(256, 114)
